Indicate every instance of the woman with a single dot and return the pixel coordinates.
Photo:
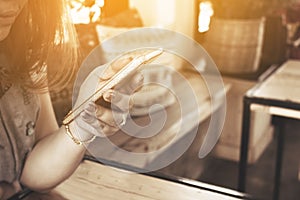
(38, 53)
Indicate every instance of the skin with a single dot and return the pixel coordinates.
(9, 10)
(55, 156)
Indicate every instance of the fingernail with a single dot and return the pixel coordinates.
(91, 107)
(122, 62)
(140, 78)
(137, 81)
(84, 115)
(109, 95)
(106, 75)
(87, 118)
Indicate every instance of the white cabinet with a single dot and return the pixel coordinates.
(261, 129)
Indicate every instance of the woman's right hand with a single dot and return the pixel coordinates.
(100, 120)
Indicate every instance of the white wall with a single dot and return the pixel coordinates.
(185, 17)
(177, 15)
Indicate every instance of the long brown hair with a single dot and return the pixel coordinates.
(41, 49)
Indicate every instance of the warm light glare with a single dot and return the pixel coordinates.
(83, 14)
(206, 11)
(156, 13)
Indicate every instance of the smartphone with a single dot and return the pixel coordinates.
(125, 72)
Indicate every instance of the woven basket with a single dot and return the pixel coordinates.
(235, 45)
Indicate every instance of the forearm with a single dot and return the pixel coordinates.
(51, 161)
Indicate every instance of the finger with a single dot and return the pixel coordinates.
(106, 115)
(137, 81)
(114, 67)
(91, 124)
(109, 130)
(131, 84)
(111, 117)
(118, 100)
(101, 127)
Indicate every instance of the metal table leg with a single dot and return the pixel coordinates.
(280, 123)
(244, 145)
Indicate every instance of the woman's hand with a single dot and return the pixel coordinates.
(107, 115)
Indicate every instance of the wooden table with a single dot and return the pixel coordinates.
(278, 95)
(93, 181)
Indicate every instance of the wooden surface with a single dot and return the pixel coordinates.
(94, 181)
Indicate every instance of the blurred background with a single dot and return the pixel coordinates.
(244, 38)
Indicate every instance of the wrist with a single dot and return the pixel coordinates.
(78, 135)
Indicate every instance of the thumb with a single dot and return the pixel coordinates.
(114, 67)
